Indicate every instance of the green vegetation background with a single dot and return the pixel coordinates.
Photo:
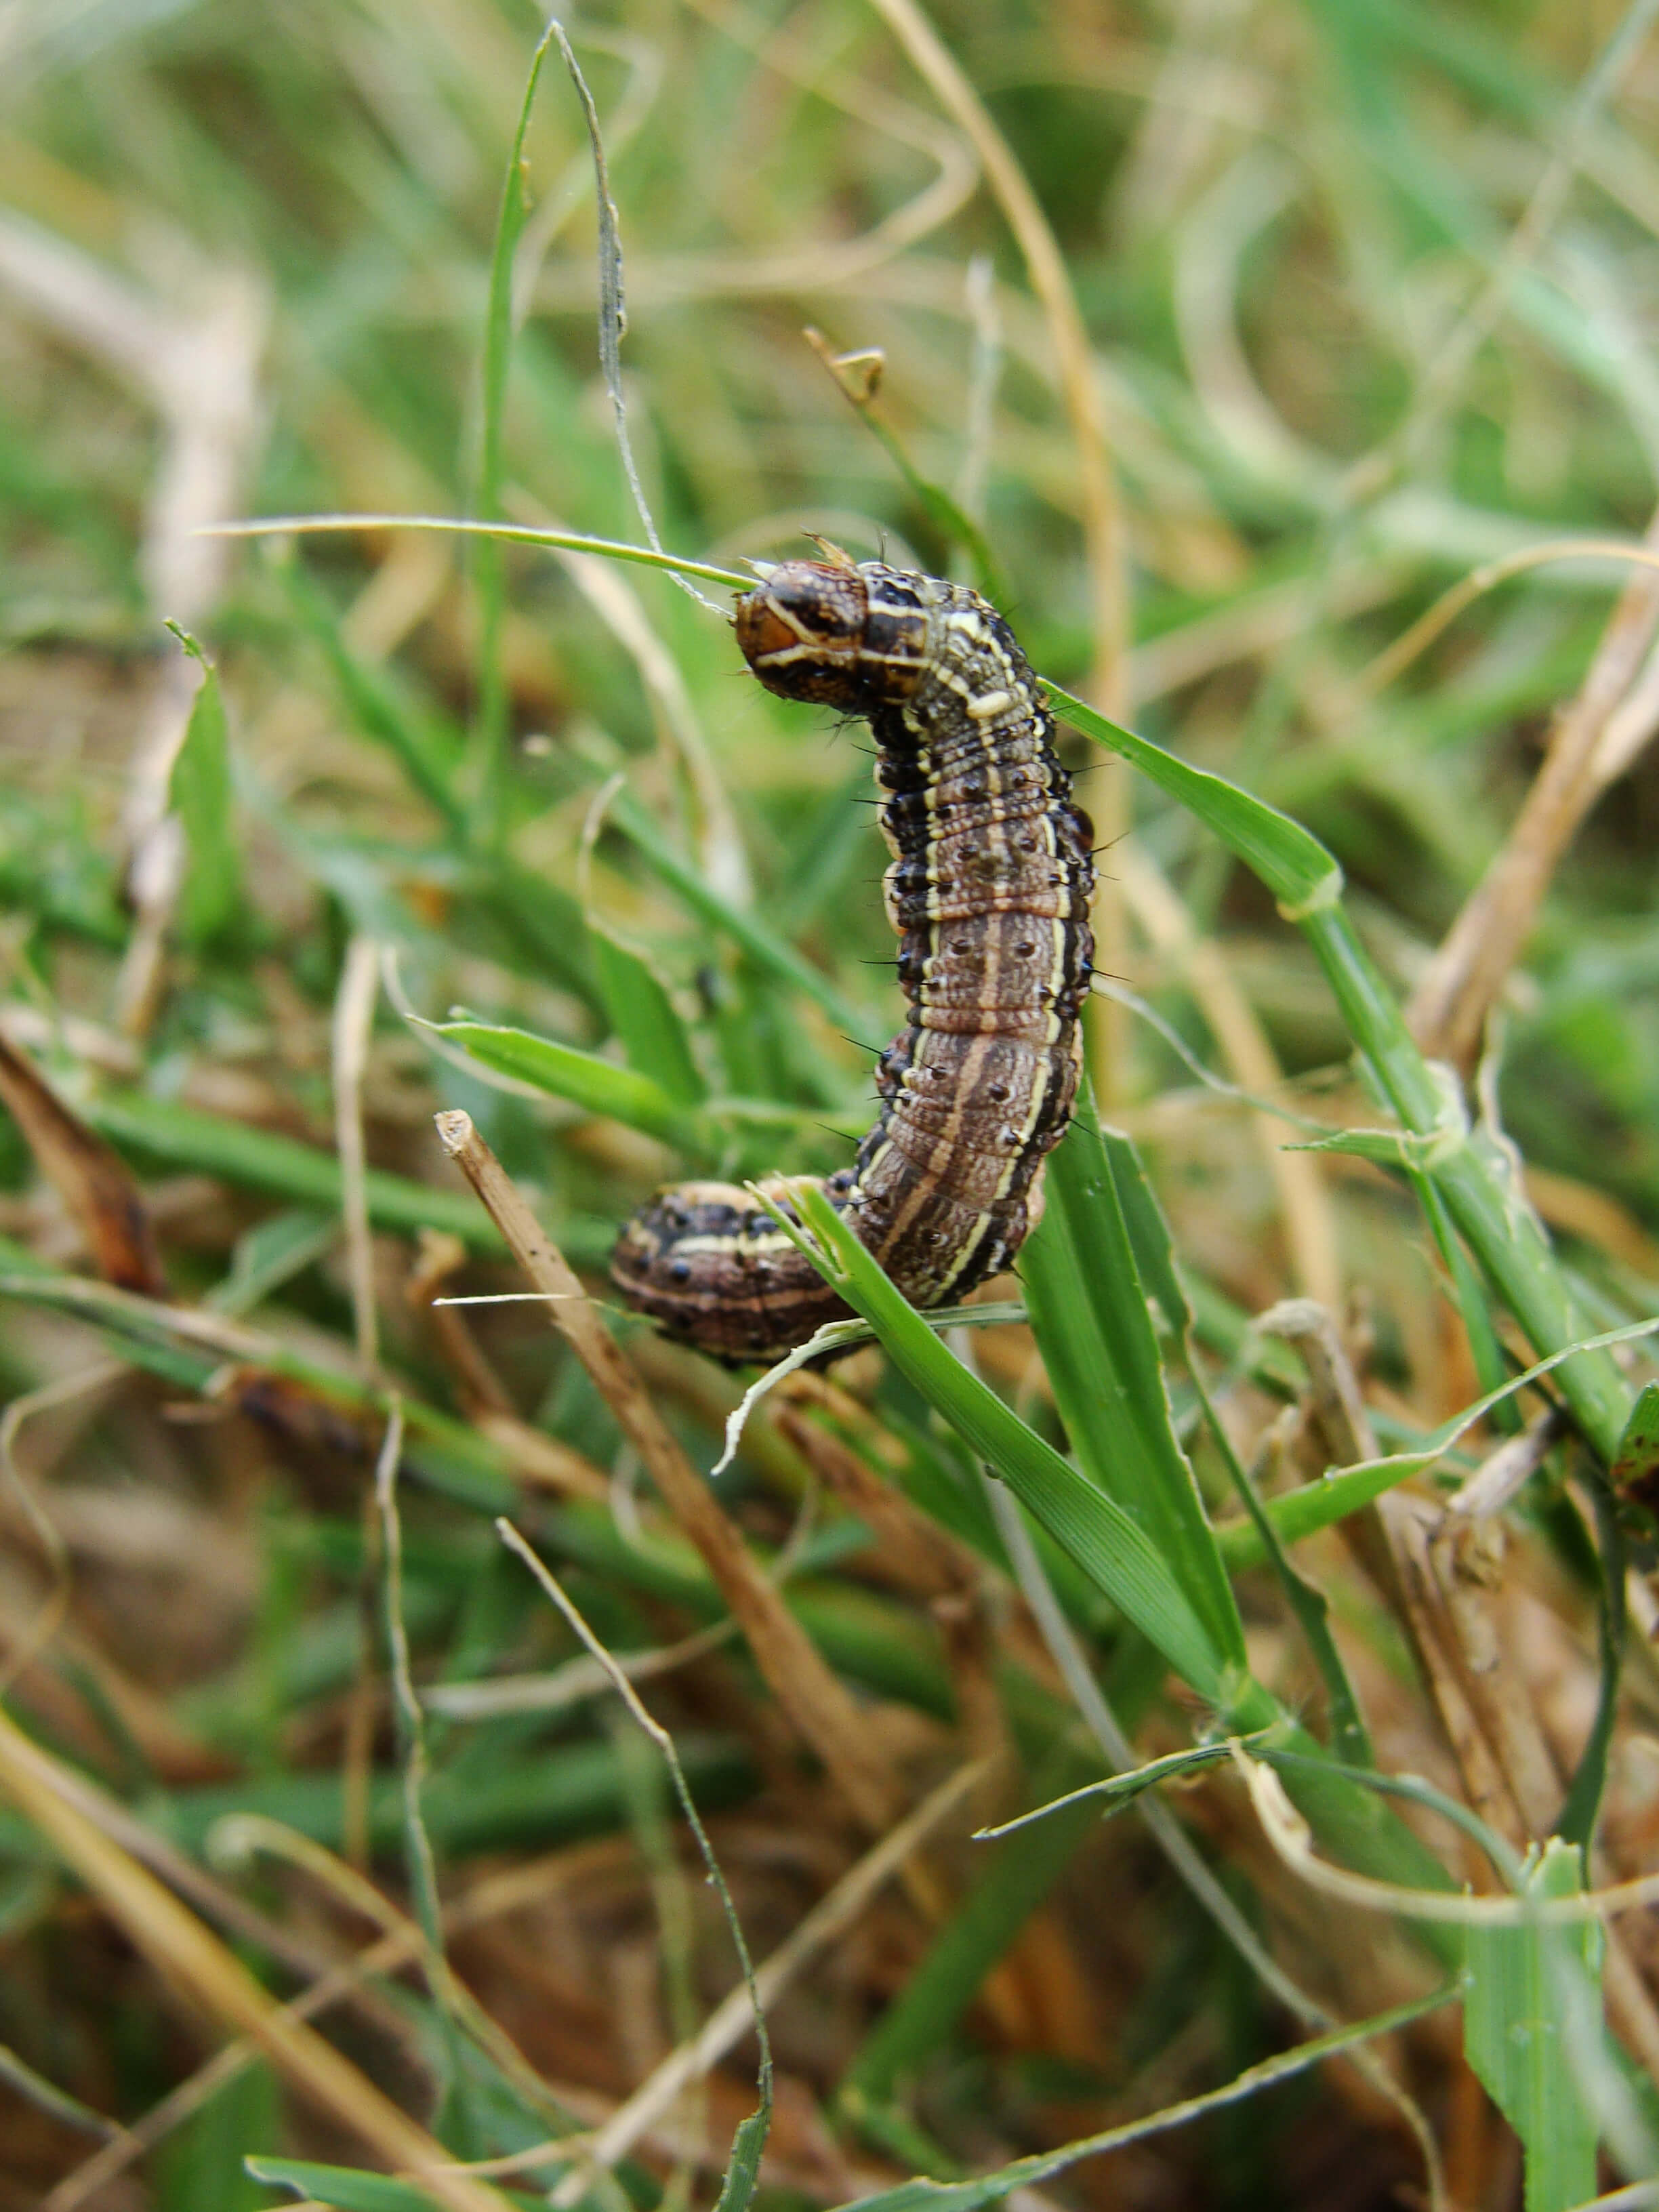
(1367, 290)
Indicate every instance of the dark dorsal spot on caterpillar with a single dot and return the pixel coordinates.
(988, 890)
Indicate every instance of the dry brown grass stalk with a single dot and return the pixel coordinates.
(1448, 1008)
(194, 1961)
(817, 1705)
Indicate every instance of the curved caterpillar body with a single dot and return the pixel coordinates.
(988, 889)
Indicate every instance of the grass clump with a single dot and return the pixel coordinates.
(1279, 373)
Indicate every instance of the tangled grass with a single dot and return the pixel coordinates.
(1286, 374)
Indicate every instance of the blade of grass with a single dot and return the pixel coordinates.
(348, 2188)
(1349, 1738)
(1578, 1818)
(1485, 1347)
(540, 914)
(487, 817)
(510, 533)
(613, 315)
(1298, 1513)
(1154, 1252)
(426, 747)
(599, 1086)
(567, 1791)
(766, 950)
(1089, 1311)
(1528, 1993)
(201, 2169)
(1114, 1793)
(1104, 1538)
(260, 1159)
(652, 1035)
(1290, 860)
(923, 2195)
(1472, 1169)
(198, 792)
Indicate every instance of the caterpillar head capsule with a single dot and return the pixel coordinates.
(832, 633)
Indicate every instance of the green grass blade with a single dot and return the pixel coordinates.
(1088, 1309)
(566, 1791)
(938, 1992)
(923, 2195)
(200, 2167)
(767, 950)
(541, 915)
(348, 2188)
(1349, 1738)
(598, 1086)
(487, 819)
(1528, 1993)
(1110, 1546)
(1583, 1804)
(654, 1037)
(199, 793)
(1154, 1252)
(424, 745)
(1114, 1793)
(260, 1159)
(1473, 1308)
(343, 524)
(742, 2177)
(1298, 1513)
(1290, 860)
(1472, 1169)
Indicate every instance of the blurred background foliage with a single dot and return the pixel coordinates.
(1369, 287)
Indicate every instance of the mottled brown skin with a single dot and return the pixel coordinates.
(988, 889)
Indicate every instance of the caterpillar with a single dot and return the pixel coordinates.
(988, 889)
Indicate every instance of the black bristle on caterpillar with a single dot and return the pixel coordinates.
(988, 889)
